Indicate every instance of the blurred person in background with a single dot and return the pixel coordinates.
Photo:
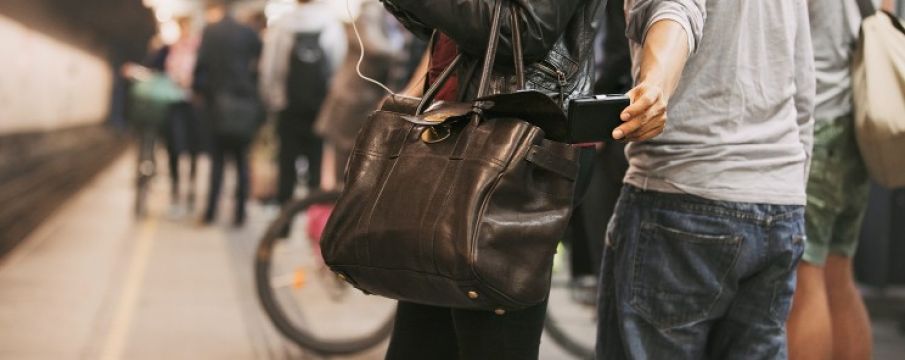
(302, 50)
(183, 130)
(257, 20)
(226, 78)
(828, 318)
(346, 109)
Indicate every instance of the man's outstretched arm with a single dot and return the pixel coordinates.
(662, 61)
(668, 32)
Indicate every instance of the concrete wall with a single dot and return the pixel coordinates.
(46, 84)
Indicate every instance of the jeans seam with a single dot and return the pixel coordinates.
(797, 241)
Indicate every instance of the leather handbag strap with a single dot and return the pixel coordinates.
(437, 85)
(546, 159)
(489, 58)
(517, 52)
(493, 44)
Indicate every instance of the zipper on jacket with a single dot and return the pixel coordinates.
(560, 77)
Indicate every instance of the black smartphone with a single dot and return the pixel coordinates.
(593, 119)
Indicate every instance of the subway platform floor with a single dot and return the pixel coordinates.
(94, 283)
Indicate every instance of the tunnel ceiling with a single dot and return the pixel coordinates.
(120, 27)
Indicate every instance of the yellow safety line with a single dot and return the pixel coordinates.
(128, 297)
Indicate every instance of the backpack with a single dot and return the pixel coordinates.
(878, 85)
(306, 85)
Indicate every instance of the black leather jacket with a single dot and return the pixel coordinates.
(557, 37)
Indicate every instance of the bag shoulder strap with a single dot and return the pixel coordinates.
(489, 58)
(866, 7)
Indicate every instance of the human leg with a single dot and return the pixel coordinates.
(486, 335)
(809, 327)
(852, 336)
(422, 332)
(193, 145)
(173, 139)
(837, 199)
(216, 180)
(240, 154)
(289, 150)
(312, 147)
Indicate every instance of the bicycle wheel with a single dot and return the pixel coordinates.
(571, 311)
(306, 302)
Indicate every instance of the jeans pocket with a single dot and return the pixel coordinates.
(678, 274)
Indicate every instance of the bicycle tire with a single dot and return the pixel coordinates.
(302, 337)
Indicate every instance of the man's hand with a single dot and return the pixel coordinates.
(645, 118)
(663, 57)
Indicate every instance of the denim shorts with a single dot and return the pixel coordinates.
(689, 278)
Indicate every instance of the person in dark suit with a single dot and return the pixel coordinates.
(226, 79)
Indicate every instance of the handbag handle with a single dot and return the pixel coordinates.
(489, 58)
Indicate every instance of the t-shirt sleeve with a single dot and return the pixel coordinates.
(642, 14)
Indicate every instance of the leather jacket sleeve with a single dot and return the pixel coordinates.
(467, 22)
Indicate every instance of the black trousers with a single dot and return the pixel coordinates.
(587, 228)
(237, 150)
(182, 135)
(297, 138)
(429, 332)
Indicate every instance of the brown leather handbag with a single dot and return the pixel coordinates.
(458, 206)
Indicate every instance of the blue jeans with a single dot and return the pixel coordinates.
(689, 278)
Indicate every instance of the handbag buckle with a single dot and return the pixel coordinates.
(435, 134)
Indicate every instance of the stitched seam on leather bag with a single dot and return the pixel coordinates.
(403, 270)
(376, 200)
(494, 162)
(526, 136)
(449, 190)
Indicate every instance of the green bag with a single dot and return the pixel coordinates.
(151, 98)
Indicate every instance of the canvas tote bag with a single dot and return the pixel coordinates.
(878, 80)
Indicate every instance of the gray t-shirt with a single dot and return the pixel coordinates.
(740, 123)
(834, 26)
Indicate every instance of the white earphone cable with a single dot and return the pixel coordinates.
(361, 56)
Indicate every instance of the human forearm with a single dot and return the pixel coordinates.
(663, 56)
(889, 5)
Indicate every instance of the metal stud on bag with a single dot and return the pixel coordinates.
(499, 311)
(473, 295)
